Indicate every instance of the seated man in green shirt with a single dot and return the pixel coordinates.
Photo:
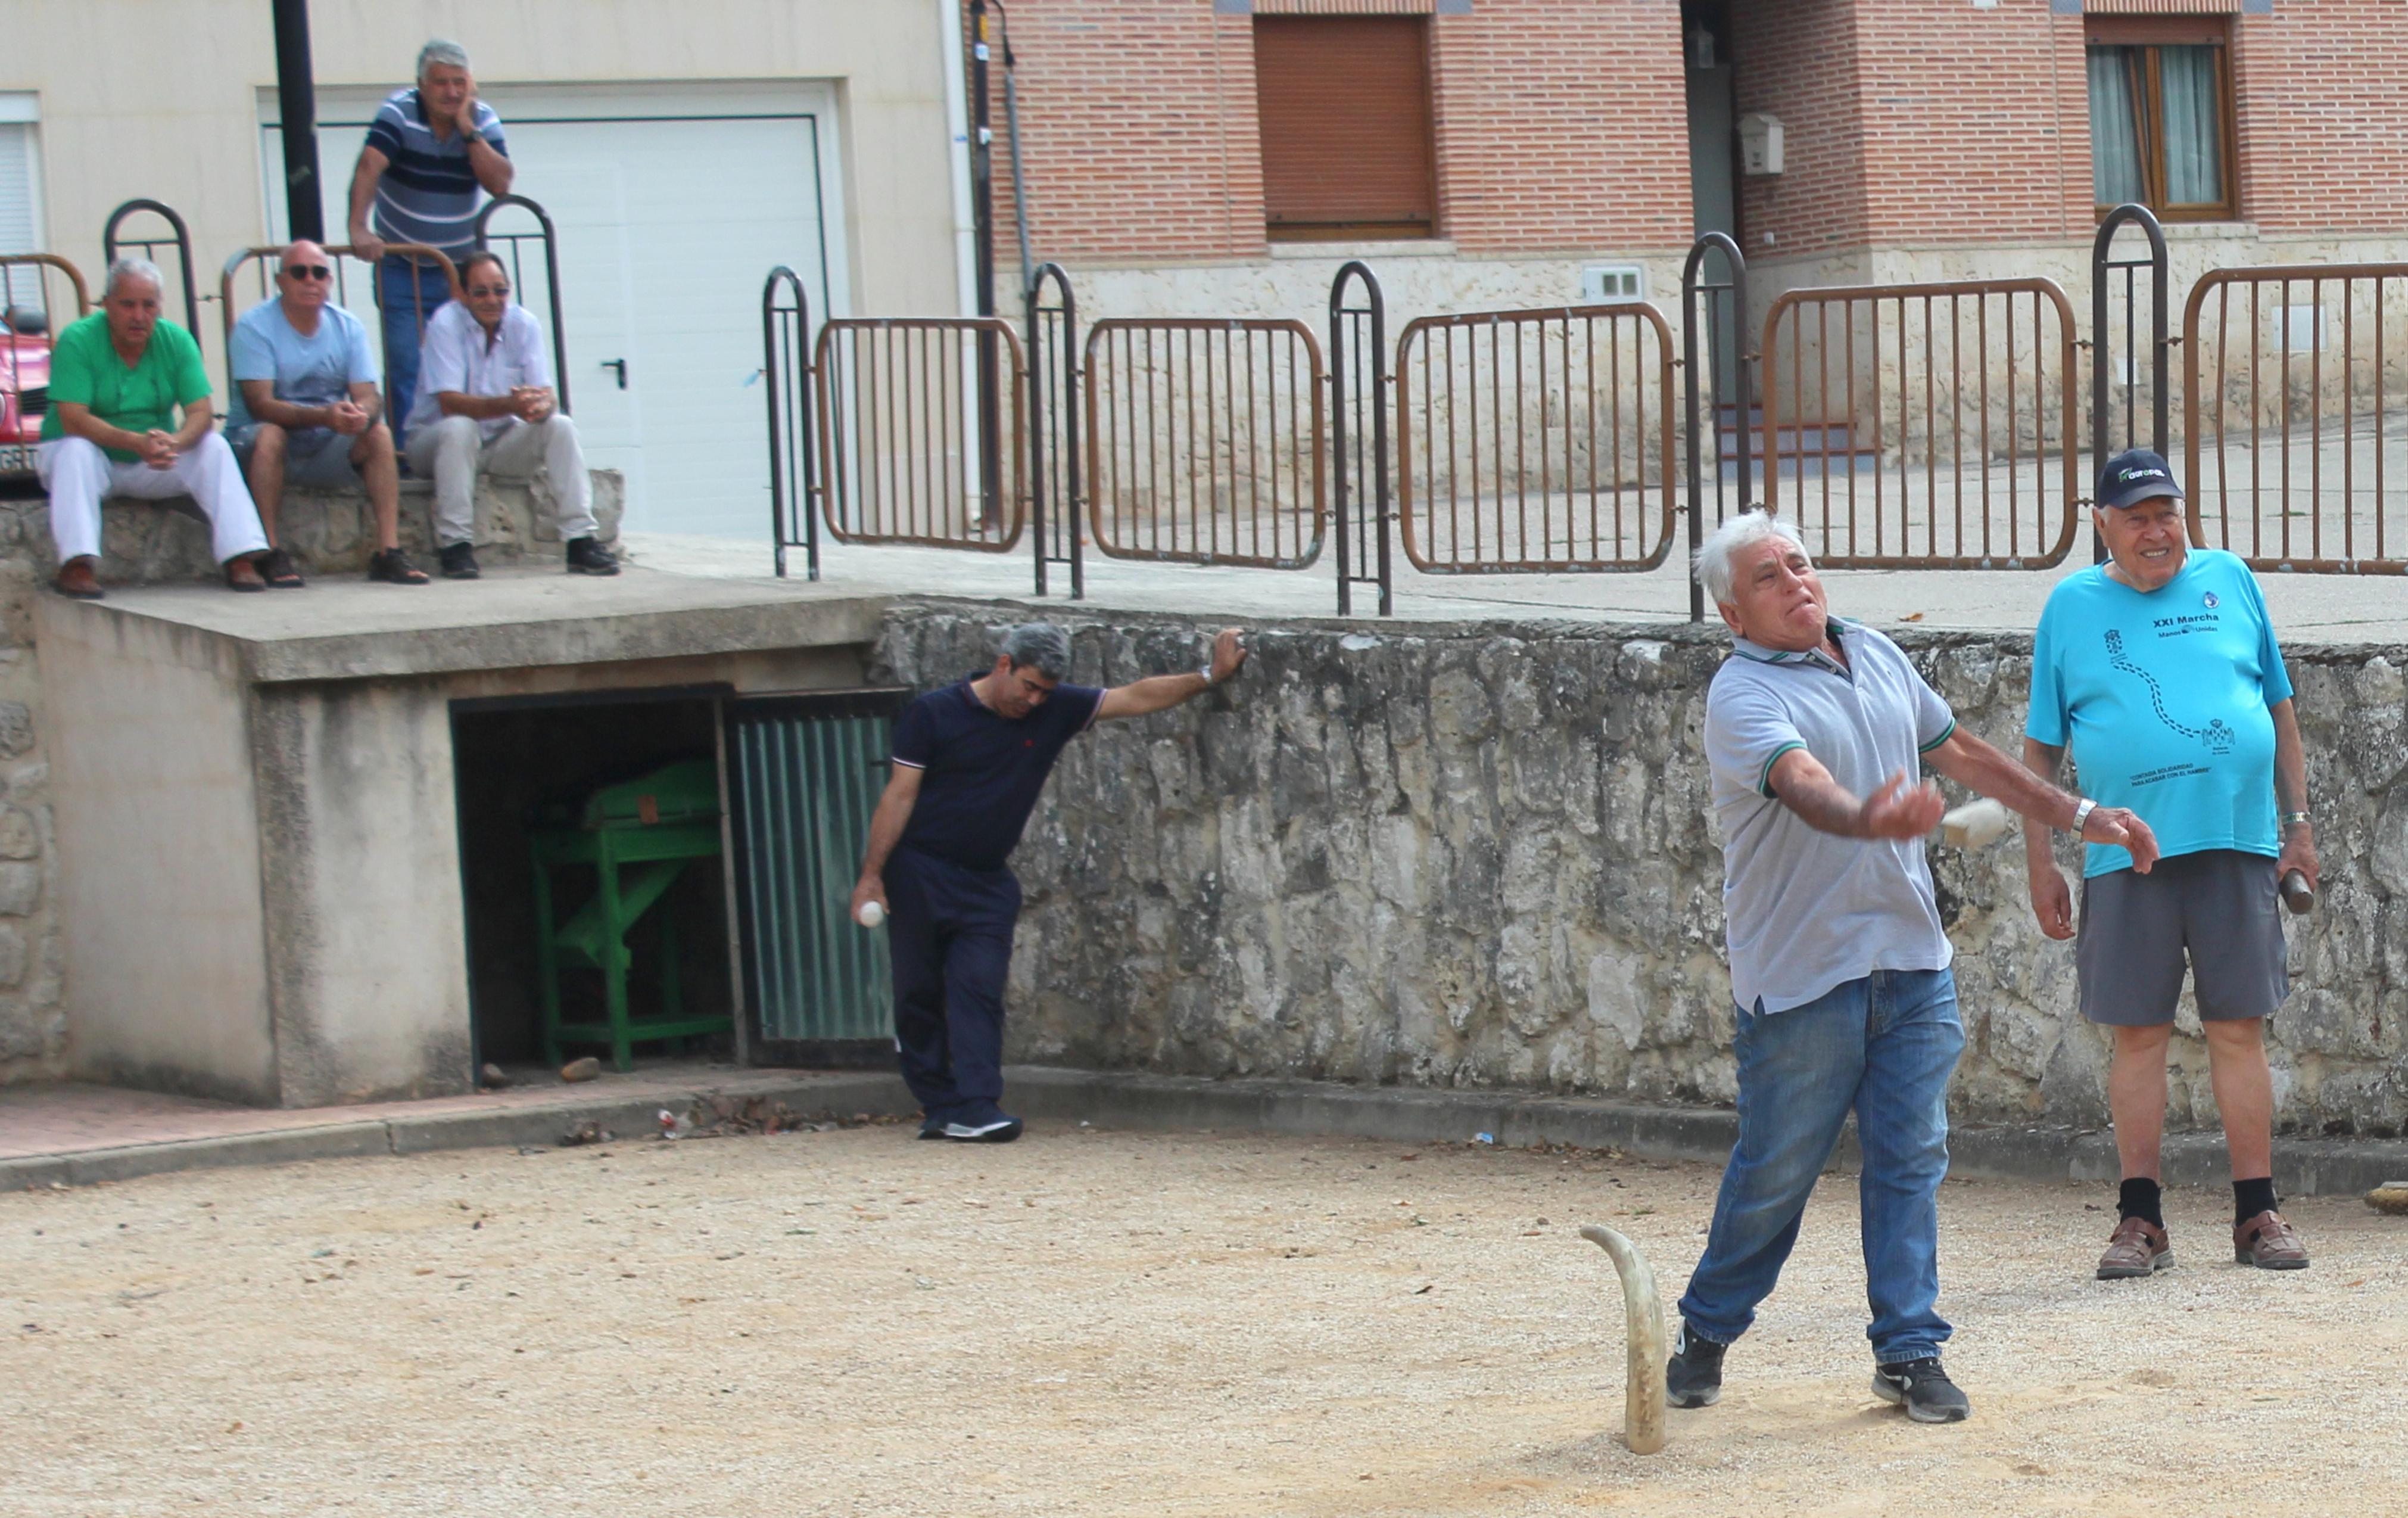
(117, 380)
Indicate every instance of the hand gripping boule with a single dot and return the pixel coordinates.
(1643, 1397)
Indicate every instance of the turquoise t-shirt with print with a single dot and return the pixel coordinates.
(2163, 698)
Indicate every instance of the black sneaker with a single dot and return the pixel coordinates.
(586, 556)
(1924, 1390)
(393, 566)
(459, 561)
(987, 1124)
(1694, 1376)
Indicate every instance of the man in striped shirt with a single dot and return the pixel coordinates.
(432, 152)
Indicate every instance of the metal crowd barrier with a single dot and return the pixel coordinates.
(174, 240)
(785, 374)
(2295, 416)
(903, 414)
(35, 290)
(1720, 420)
(1924, 426)
(258, 264)
(1358, 433)
(1532, 442)
(1204, 440)
(512, 247)
(1053, 454)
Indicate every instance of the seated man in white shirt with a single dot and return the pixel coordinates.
(483, 371)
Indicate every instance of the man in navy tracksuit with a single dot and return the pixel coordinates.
(970, 760)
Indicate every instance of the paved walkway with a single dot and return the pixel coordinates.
(2308, 608)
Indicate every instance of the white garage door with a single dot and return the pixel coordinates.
(672, 203)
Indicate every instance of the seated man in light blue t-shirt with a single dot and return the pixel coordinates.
(306, 409)
(2159, 669)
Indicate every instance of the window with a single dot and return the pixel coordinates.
(1344, 105)
(2161, 117)
(21, 181)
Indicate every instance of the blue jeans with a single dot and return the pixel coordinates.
(410, 293)
(950, 938)
(1884, 1046)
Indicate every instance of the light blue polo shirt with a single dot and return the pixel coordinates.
(2163, 698)
(1805, 911)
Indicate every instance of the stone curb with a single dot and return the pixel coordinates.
(877, 1094)
(2304, 1167)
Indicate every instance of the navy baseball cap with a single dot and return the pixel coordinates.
(2133, 476)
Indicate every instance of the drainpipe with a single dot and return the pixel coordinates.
(296, 107)
(957, 155)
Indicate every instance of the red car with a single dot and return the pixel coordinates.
(24, 385)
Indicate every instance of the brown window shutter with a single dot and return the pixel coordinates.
(1346, 111)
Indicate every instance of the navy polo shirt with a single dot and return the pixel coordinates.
(980, 771)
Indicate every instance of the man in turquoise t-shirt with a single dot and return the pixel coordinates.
(2159, 669)
(118, 379)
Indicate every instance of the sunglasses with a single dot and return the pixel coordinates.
(483, 290)
(310, 272)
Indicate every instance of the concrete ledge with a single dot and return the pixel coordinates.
(1169, 1104)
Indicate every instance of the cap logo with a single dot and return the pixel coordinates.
(2142, 472)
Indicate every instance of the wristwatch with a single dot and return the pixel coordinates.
(1206, 671)
(2082, 815)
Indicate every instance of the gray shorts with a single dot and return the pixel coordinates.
(2217, 908)
(318, 456)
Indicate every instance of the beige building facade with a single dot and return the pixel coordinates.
(681, 153)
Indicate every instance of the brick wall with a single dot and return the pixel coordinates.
(1560, 125)
(2321, 149)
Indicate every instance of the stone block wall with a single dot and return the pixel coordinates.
(1483, 856)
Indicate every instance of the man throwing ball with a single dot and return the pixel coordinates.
(970, 760)
(1814, 731)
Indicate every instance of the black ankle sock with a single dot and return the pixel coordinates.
(2251, 1198)
(2140, 1198)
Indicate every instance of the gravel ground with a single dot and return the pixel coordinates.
(1113, 1323)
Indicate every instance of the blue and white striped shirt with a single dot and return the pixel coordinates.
(428, 193)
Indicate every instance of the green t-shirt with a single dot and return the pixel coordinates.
(86, 371)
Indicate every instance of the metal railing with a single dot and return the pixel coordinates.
(2295, 411)
(1204, 440)
(1053, 454)
(1924, 426)
(1359, 432)
(1718, 413)
(175, 240)
(257, 265)
(785, 376)
(904, 419)
(34, 291)
(1533, 441)
(510, 246)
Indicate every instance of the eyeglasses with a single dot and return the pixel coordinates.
(310, 272)
(483, 290)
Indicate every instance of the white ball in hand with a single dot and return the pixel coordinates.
(870, 915)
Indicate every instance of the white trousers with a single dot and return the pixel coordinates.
(79, 476)
(456, 451)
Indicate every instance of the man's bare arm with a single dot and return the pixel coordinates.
(1897, 810)
(886, 826)
(2291, 793)
(259, 399)
(78, 420)
(198, 415)
(484, 408)
(363, 188)
(492, 167)
(1162, 691)
(1983, 770)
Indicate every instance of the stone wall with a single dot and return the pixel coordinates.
(1482, 855)
(329, 533)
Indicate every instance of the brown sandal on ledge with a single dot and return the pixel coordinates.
(242, 574)
(275, 568)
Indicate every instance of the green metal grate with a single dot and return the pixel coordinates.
(807, 772)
